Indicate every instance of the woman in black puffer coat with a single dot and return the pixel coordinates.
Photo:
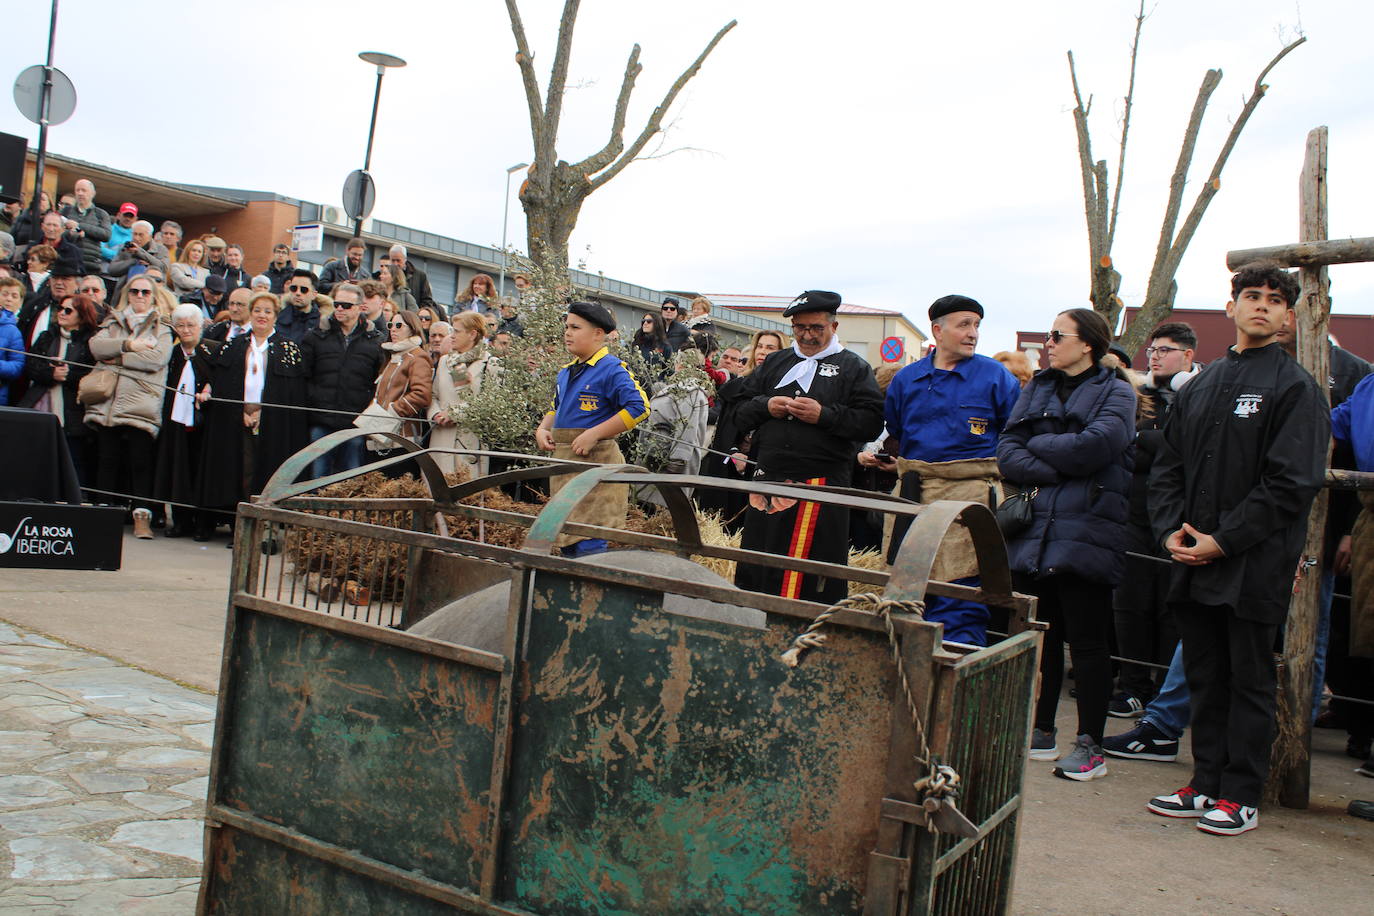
(1070, 440)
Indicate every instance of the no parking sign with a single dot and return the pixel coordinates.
(892, 349)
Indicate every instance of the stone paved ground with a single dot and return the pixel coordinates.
(102, 783)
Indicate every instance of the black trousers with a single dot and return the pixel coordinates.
(1347, 674)
(1079, 612)
(1144, 626)
(124, 464)
(1229, 662)
(806, 530)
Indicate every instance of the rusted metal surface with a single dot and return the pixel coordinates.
(614, 757)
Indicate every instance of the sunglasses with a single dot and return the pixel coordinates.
(1058, 336)
(345, 305)
(299, 289)
(140, 292)
(809, 328)
(396, 324)
(426, 318)
(66, 310)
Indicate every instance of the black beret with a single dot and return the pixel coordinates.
(598, 315)
(215, 283)
(955, 303)
(813, 300)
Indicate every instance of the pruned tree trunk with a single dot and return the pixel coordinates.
(1104, 281)
(553, 194)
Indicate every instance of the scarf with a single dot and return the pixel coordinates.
(459, 364)
(184, 401)
(804, 372)
(399, 348)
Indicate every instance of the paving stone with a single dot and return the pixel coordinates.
(184, 838)
(163, 759)
(70, 761)
(129, 896)
(154, 803)
(18, 694)
(100, 782)
(202, 734)
(115, 728)
(64, 858)
(30, 821)
(21, 791)
(11, 669)
(17, 746)
(192, 788)
(134, 693)
(37, 657)
(45, 714)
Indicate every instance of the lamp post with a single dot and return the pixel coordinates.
(505, 220)
(382, 61)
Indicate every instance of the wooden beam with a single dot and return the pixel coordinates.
(1290, 778)
(1316, 253)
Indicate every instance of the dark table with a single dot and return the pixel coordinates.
(34, 462)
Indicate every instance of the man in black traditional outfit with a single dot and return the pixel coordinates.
(811, 408)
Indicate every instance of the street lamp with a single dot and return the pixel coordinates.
(382, 61)
(505, 219)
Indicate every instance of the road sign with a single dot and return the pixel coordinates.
(28, 95)
(359, 194)
(892, 349)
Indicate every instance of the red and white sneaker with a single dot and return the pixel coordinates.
(1228, 819)
(1186, 802)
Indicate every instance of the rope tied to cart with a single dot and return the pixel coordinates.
(939, 787)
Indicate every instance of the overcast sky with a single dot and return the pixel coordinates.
(892, 152)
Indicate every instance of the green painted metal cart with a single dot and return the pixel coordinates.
(614, 757)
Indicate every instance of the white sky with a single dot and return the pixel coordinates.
(891, 152)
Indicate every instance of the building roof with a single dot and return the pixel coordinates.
(778, 303)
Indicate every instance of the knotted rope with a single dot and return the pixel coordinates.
(941, 782)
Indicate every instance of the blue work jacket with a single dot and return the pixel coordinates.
(601, 391)
(947, 415)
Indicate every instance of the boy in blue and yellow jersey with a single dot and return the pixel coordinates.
(596, 399)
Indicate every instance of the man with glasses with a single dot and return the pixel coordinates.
(810, 407)
(342, 358)
(348, 269)
(300, 314)
(673, 328)
(237, 324)
(94, 286)
(278, 272)
(39, 311)
(944, 414)
(1144, 626)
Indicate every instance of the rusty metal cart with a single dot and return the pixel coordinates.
(613, 757)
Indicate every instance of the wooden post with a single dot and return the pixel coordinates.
(1289, 778)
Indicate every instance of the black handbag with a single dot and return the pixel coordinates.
(1014, 514)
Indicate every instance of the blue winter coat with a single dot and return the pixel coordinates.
(11, 363)
(1080, 456)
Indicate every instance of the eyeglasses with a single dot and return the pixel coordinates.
(426, 318)
(1058, 336)
(668, 308)
(298, 289)
(396, 324)
(809, 328)
(344, 305)
(66, 310)
(140, 292)
(1162, 351)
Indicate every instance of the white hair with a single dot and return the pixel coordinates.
(147, 226)
(396, 249)
(261, 280)
(186, 310)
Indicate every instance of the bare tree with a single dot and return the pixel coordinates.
(1105, 280)
(556, 189)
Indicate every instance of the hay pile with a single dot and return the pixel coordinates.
(330, 563)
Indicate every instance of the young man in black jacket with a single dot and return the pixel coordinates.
(811, 407)
(342, 360)
(1242, 457)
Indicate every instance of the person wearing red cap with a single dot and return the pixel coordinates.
(121, 231)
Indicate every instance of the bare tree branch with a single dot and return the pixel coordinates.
(525, 60)
(656, 119)
(1125, 128)
(1085, 166)
(558, 75)
(606, 155)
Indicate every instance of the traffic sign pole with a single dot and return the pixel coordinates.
(41, 159)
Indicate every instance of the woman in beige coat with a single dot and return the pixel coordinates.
(136, 344)
(457, 377)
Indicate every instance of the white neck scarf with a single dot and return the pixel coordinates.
(804, 372)
(184, 401)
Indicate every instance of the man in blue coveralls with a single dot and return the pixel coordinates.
(596, 399)
(944, 413)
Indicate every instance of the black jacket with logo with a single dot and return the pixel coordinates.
(851, 414)
(1242, 457)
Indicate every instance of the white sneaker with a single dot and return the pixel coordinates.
(1228, 819)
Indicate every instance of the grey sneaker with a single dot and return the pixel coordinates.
(1086, 761)
(1042, 744)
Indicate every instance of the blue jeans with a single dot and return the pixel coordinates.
(352, 454)
(1168, 711)
(1323, 639)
